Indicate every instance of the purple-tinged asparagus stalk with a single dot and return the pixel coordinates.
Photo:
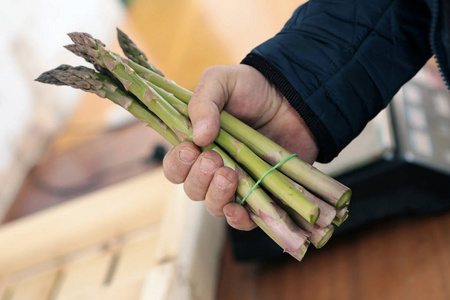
(318, 236)
(339, 220)
(340, 213)
(296, 246)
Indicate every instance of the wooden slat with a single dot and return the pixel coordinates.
(37, 288)
(136, 257)
(173, 227)
(130, 289)
(159, 282)
(84, 222)
(87, 274)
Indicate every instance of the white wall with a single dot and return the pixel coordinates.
(33, 33)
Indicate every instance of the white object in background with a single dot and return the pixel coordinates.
(374, 142)
(195, 240)
(33, 33)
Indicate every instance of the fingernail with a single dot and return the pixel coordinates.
(200, 128)
(186, 156)
(222, 182)
(207, 165)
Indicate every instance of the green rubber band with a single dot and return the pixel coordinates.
(265, 174)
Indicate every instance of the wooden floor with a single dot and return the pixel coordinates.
(398, 259)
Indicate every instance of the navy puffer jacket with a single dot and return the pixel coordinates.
(340, 62)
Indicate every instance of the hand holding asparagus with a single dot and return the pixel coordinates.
(228, 156)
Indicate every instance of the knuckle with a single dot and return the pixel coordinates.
(178, 161)
(210, 71)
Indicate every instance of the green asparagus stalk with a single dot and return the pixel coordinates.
(134, 53)
(297, 254)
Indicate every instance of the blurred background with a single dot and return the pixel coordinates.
(59, 145)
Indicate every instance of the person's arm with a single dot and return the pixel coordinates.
(339, 63)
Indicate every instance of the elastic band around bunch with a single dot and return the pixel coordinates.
(265, 174)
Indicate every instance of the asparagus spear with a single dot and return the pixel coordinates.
(297, 254)
(317, 235)
(133, 52)
(327, 212)
(90, 81)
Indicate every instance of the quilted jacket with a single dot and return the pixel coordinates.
(339, 62)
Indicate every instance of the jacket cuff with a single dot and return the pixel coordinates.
(327, 147)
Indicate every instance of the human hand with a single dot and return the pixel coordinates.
(245, 93)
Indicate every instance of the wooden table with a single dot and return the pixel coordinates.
(397, 259)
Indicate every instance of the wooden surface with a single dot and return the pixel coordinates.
(399, 259)
(112, 244)
(132, 205)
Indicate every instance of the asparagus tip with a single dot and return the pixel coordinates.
(49, 77)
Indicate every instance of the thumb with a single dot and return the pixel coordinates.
(208, 100)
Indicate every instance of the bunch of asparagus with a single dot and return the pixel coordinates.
(295, 204)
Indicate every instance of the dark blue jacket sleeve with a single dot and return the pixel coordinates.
(340, 62)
